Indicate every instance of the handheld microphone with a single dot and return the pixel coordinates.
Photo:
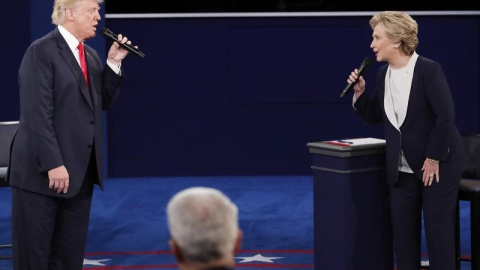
(110, 35)
(361, 70)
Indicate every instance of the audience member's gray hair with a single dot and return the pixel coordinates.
(59, 7)
(203, 222)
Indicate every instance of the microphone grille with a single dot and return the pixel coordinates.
(365, 63)
(105, 32)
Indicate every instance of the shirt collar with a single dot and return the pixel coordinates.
(69, 38)
(411, 63)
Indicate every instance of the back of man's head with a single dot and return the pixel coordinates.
(203, 225)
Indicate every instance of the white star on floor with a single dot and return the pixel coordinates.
(258, 258)
(425, 263)
(94, 262)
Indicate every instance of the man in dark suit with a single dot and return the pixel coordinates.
(56, 155)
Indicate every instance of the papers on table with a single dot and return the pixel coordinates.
(358, 142)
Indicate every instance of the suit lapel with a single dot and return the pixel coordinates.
(72, 63)
(388, 102)
(90, 60)
(385, 96)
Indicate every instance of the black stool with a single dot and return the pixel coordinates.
(7, 131)
(470, 191)
(4, 184)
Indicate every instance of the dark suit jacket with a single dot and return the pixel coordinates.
(429, 128)
(60, 118)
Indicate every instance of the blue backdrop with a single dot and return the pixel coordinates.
(242, 95)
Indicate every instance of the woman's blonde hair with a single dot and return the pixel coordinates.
(399, 27)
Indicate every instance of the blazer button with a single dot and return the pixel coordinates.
(92, 122)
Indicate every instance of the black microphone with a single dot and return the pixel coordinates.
(361, 70)
(110, 35)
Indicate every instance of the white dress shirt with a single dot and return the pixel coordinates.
(398, 83)
(73, 43)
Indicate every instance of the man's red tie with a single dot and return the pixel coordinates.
(83, 63)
